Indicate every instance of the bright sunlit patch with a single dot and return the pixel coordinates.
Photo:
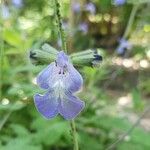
(117, 61)
(148, 53)
(107, 17)
(127, 138)
(115, 20)
(128, 63)
(25, 98)
(144, 63)
(20, 92)
(95, 18)
(34, 81)
(124, 100)
(136, 66)
(147, 28)
(5, 101)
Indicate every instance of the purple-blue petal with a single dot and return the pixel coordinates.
(83, 27)
(70, 106)
(119, 2)
(47, 105)
(62, 59)
(44, 76)
(17, 3)
(76, 7)
(73, 81)
(91, 8)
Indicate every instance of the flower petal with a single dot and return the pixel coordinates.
(44, 75)
(46, 104)
(70, 106)
(62, 59)
(73, 80)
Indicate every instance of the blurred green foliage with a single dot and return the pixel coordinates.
(100, 124)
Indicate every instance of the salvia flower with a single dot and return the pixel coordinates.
(83, 27)
(90, 7)
(119, 2)
(17, 3)
(123, 45)
(5, 12)
(76, 7)
(61, 80)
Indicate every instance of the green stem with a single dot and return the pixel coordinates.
(131, 19)
(1, 65)
(1, 59)
(62, 36)
(74, 134)
(61, 31)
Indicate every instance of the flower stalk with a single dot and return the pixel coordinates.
(64, 46)
(73, 132)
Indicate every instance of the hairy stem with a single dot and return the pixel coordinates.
(59, 23)
(74, 134)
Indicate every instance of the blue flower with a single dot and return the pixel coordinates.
(76, 7)
(5, 12)
(61, 80)
(90, 7)
(123, 45)
(17, 3)
(83, 27)
(119, 2)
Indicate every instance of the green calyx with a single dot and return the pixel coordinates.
(48, 54)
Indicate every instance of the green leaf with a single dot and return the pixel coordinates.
(131, 146)
(88, 142)
(20, 144)
(48, 132)
(20, 130)
(12, 107)
(12, 37)
(137, 101)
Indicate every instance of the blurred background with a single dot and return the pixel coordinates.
(116, 93)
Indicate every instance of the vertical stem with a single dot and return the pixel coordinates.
(61, 31)
(131, 19)
(62, 36)
(74, 135)
(71, 26)
(1, 56)
(1, 63)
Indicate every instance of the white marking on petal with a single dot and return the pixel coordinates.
(59, 88)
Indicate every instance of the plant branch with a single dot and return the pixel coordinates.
(130, 22)
(2, 123)
(129, 131)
